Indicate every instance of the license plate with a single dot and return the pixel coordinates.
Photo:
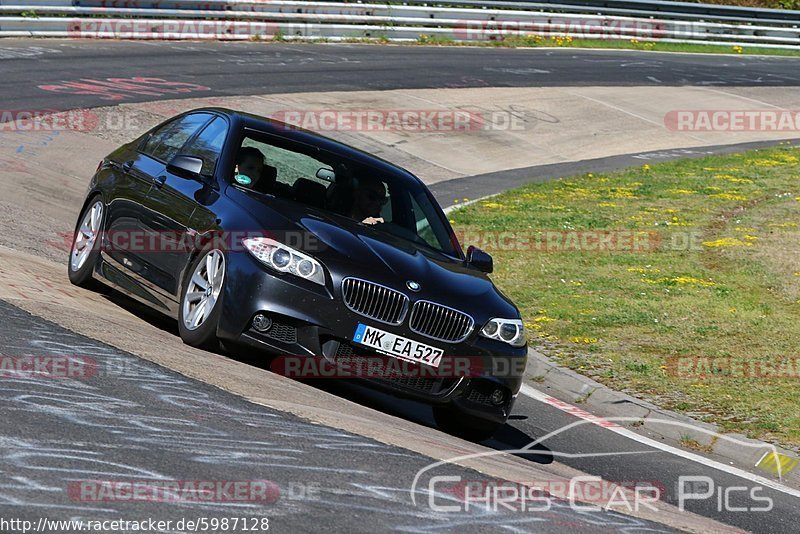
(397, 346)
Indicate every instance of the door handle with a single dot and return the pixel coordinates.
(127, 166)
(160, 181)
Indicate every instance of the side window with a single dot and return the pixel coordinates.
(423, 225)
(290, 166)
(165, 142)
(208, 145)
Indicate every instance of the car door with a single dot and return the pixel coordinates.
(180, 205)
(157, 236)
(131, 185)
(134, 172)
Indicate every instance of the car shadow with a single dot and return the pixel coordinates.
(508, 438)
(146, 314)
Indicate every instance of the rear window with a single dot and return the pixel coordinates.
(165, 143)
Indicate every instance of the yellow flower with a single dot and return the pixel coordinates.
(643, 270)
(729, 196)
(766, 162)
(733, 179)
(585, 340)
(726, 242)
(682, 281)
(621, 192)
(534, 196)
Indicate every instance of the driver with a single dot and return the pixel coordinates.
(369, 199)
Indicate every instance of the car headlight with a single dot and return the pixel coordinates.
(285, 259)
(510, 331)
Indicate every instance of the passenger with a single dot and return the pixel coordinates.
(252, 171)
(369, 199)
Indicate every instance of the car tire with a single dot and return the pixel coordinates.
(200, 306)
(85, 248)
(455, 422)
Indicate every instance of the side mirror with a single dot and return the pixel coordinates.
(479, 259)
(186, 166)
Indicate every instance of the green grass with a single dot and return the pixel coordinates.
(559, 42)
(769, 4)
(718, 276)
(631, 44)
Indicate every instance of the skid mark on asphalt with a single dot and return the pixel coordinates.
(133, 421)
(116, 89)
(41, 286)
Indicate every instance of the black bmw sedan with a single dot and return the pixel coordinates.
(254, 233)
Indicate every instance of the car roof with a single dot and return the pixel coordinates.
(300, 135)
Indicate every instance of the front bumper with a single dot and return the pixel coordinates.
(310, 321)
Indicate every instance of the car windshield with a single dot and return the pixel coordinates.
(325, 181)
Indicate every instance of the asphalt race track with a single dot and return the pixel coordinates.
(250, 68)
(108, 427)
(150, 424)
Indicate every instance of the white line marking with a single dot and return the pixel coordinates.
(742, 97)
(625, 111)
(535, 394)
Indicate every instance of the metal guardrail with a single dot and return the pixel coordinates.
(633, 8)
(295, 19)
(657, 8)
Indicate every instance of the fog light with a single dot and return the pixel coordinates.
(498, 397)
(261, 322)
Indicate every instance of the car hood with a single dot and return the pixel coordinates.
(348, 248)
